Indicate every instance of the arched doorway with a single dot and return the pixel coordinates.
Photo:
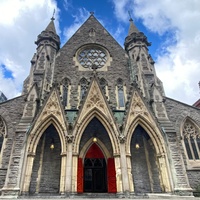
(45, 176)
(96, 167)
(144, 163)
(95, 170)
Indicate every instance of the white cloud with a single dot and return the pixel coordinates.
(178, 61)
(20, 23)
(79, 19)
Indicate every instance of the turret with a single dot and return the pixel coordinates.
(142, 69)
(141, 62)
(49, 37)
(42, 63)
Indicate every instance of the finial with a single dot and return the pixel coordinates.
(130, 16)
(53, 15)
(91, 13)
(199, 84)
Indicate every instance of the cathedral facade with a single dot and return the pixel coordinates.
(93, 118)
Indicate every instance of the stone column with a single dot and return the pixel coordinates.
(164, 172)
(28, 172)
(130, 176)
(63, 173)
(68, 184)
(125, 180)
(74, 173)
(118, 174)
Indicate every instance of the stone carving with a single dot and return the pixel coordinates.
(122, 138)
(138, 107)
(189, 130)
(95, 100)
(92, 32)
(69, 138)
(51, 109)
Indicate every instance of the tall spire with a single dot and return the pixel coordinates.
(51, 26)
(134, 35)
(132, 27)
(49, 34)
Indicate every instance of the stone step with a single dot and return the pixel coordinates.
(103, 196)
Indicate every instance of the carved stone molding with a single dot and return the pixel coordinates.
(138, 107)
(122, 139)
(69, 138)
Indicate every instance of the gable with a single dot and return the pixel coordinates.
(91, 34)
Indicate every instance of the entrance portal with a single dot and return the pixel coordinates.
(95, 171)
(94, 175)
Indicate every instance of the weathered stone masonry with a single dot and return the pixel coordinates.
(93, 117)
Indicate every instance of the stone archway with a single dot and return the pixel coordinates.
(96, 157)
(145, 170)
(45, 177)
(94, 170)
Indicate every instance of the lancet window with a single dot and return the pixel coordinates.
(120, 93)
(104, 86)
(2, 134)
(191, 134)
(65, 88)
(83, 87)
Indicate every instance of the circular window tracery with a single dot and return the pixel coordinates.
(92, 56)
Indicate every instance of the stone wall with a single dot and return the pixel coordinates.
(65, 65)
(177, 113)
(11, 112)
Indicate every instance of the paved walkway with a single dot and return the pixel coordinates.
(149, 196)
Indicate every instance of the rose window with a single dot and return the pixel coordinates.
(92, 56)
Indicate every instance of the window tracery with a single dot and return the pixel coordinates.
(92, 56)
(191, 136)
(83, 87)
(103, 84)
(120, 93)
(65, 87)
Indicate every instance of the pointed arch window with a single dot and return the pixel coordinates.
(65, 92)
(104, 86)
(120, 94)
(83, 87)
(2, 136)
(191, 137)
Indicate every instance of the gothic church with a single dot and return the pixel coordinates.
(93, 118)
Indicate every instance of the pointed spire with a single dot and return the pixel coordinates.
(49, 34)
(51, 26)
(132, 28)
(135, 36)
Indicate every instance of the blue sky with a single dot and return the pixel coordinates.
(171, 26)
